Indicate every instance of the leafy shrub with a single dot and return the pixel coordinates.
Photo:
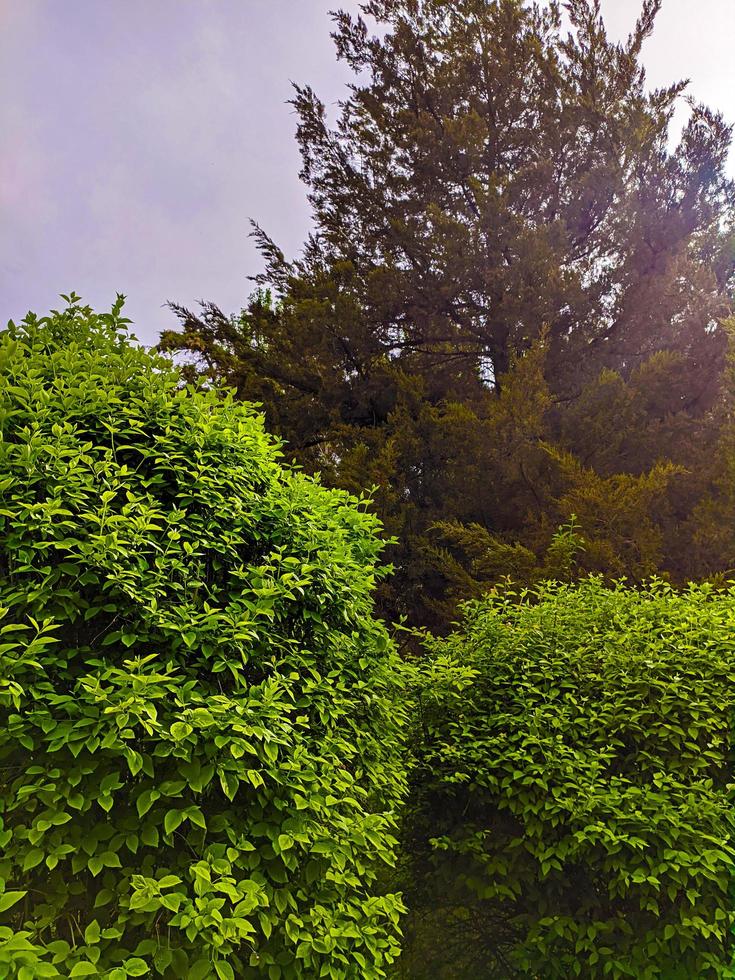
(199, 759)
(571, 815)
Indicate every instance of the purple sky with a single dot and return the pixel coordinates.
(138, 137)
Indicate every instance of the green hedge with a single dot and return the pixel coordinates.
(199, 757)
(571, 814)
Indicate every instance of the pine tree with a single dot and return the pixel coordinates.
(495, 185)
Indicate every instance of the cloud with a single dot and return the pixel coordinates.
(139, 137)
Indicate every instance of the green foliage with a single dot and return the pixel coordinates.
(490, 563)
(500, 173)
(199, 757)
(571, 813)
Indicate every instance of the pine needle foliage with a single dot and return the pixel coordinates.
(498, 201)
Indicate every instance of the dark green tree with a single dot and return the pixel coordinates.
(493, 182)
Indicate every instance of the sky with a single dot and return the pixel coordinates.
(138, 137)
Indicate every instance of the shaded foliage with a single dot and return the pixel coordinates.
(509, 308)
(570, 813)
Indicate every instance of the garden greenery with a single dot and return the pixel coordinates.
(200, 754)
(203, 726)
(571, 812)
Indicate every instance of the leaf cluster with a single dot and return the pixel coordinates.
(200, 757)
(572, 804)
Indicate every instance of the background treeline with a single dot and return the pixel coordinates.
(513, 307)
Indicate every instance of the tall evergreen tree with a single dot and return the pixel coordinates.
(511, 296)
